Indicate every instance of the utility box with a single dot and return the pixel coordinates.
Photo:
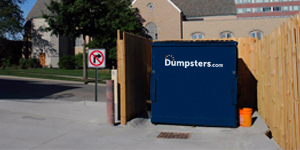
(194, 83)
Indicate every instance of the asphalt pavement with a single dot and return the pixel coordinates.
(48, 120)
(19, 88)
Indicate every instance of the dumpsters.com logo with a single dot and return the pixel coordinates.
(170, 62)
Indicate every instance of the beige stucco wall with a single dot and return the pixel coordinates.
(43, 42)
(239, 27)
(166, 17)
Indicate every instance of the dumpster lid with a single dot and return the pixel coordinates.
(195, 43)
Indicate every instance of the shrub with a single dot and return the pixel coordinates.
(7, 62)
(79, 60)
(23, 63)
(67, 62)
(32, 63)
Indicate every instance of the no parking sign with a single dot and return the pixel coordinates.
(97, 58)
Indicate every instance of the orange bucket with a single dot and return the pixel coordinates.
(245, 117)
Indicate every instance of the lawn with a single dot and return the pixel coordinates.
(59, 74)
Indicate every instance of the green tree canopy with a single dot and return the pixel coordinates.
(11, 18)
(98, 19)
(74, 18)
(118, 15)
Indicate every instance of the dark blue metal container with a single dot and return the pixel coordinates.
(194, 83)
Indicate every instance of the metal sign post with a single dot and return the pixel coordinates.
(96, 85)
(97, 59)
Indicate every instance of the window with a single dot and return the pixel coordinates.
(267, 9)
(239, 1)
(78, 41)
(226, 35)
(285, 8)
(295, 8)
(256, 34)
(197, 35)
(240, 10)
(277, 9)
(248, 10)
(152, 30)
(258, 1)
(259, 9)
(150, 6)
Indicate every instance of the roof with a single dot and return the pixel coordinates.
(38, 9)
(190, 8)
(200, 8)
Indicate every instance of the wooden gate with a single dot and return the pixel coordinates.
(134, 69)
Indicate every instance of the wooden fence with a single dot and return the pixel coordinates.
(269, 71)
(278, 74)
(134, 69)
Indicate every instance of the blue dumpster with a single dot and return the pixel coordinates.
(194, 83)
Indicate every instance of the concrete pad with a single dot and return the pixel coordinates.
(49, 124)
(77, 122)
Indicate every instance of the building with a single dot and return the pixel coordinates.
(166, 20)
(48, 48)
(266, 8)
(198, 19)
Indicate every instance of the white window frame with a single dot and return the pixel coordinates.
(198, 35)
(256, 34)
(228, 34)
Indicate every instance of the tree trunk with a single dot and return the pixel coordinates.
(85, 74)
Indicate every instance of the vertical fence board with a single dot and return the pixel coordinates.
(286, 81)
(297, 112)
(121, 76)
(290, 85)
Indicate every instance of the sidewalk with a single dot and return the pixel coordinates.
(50, 124)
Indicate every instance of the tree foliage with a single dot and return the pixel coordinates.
(98, 19)
(74, 18)
(11, 18)
(118, 15)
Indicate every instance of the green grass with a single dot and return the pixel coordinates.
(58, 74)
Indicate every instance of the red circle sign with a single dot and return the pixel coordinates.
(92, 55)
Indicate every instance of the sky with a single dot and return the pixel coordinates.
(27, 6)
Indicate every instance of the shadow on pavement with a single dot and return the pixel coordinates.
(20, 89)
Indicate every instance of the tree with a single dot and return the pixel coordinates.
(98, 19)
(74, 18)
(11, 18)
(118, 15)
